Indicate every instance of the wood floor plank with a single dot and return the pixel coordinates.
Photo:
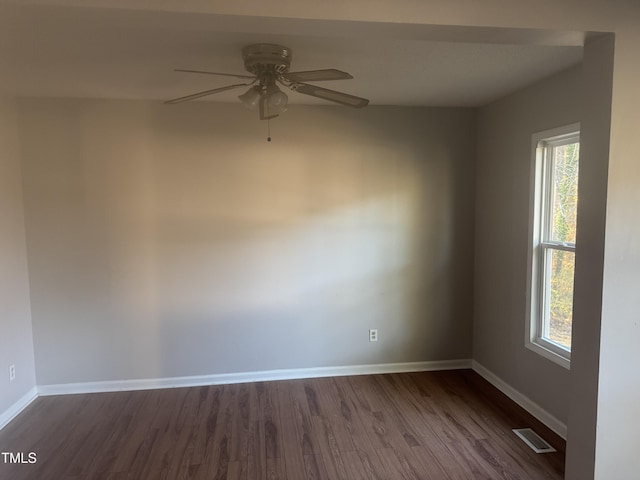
(441, 460)
(292, 433)
(351, 416)
(302, 415)
(459, 440)
(396, 405)
(218, 457)
(138, 430)
(237, 470)
(207, 426)
(271, 415)
(499, 441)
(355, 467)
(256, 452)
(335, 413)
(330, 451)
(276, 469)
(182, 462)
(111, 447)
(241, 424)
(371, 428)
(315, 469)
(371, 464)
(395, 467)
(501, 434)
(414, 426)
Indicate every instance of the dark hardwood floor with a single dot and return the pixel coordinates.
(435, 425)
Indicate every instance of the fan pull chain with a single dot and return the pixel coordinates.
(268, 129)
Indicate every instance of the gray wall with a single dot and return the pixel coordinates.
(174, 240)
(502, 236)
(16, 345)
(594, 149)
(618, 403)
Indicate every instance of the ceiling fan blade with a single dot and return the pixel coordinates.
(331, 95)
(214, 73)
(317, 75)
(193, 96)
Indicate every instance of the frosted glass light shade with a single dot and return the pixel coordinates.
(251, 97)
(277, 100)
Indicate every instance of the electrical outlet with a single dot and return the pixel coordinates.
(373, 335)
(12, 372)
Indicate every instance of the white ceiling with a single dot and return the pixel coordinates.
(116, 53)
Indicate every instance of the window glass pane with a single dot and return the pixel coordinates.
(560, 297)
(565, 193)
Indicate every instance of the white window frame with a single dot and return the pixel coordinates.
(539, 223)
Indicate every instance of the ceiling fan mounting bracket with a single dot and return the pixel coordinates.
(261, 58)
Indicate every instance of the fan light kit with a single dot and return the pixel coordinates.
(269, 65)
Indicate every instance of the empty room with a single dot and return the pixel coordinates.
(344, 240)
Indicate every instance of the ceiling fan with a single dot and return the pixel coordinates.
(269, 65)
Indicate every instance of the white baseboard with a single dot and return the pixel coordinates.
(244, 377)
(14, 410)
(525, 402)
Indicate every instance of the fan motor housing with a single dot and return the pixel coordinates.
(266, 57)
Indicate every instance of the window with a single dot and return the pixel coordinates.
(553, 248)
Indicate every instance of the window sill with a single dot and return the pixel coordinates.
(549, 354)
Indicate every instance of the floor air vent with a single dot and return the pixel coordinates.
(531, 438)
